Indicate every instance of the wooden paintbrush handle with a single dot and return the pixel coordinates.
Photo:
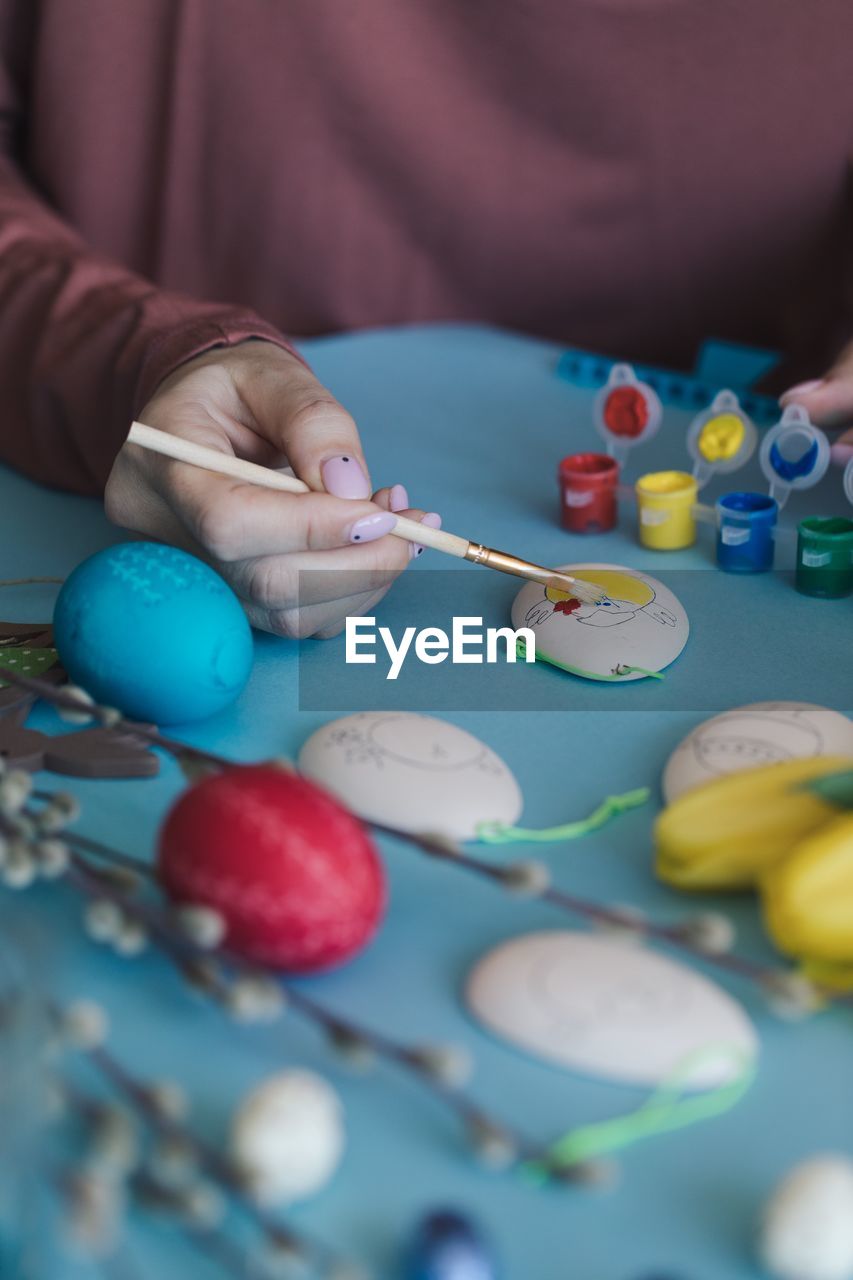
(225, 464)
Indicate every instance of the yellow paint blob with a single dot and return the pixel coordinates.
(618, 585)
(721, 437)
(665, 501)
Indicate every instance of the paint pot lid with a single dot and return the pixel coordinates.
(613, 1010)
(748, 737)
(622, 379)
(848, 480)
(722, 438)
(639, 627)
(412, 772)
(795, 454)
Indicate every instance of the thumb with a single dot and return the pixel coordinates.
(829, 402)
(300, 418)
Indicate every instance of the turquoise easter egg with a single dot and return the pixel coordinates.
(153, 631)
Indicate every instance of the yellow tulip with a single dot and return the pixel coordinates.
(730, 832)
(808, 896)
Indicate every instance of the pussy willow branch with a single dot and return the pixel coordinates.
(677, 936)
(210, 1160)
(179, 949)
(146, 1187)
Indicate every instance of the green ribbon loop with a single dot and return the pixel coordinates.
(611, 807)
(621, 671)
(666, 1110)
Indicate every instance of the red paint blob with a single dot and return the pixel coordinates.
(567, 606)
(626, 412)
(294, 874)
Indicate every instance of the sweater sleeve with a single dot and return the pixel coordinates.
(83, 341)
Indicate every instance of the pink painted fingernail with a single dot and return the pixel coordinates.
(344, 478)
(398, 498)
(433, 521)
(369, 528)
(841, 454)
(801, 389)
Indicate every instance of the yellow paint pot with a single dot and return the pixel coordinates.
(665, 501)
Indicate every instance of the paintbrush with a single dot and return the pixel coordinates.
(451, 544)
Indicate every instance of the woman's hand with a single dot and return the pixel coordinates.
(259, 402)
(829, 401)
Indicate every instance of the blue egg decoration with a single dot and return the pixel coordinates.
(447, 1246)
(154, 631)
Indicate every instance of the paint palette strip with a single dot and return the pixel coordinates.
(680, 390)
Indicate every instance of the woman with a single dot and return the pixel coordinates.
(629, 175)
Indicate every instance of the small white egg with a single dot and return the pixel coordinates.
(287, 1136)
(807, 1226)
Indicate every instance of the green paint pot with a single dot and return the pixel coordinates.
(825, 557)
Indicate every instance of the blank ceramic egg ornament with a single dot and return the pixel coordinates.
(295, 877)
(637, 629)
(287, 1137)
(758, 734)
(608, 1009)
(807, 1227)
(153, 631)
(412, 772)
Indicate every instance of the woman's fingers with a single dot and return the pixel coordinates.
(282, 581)
(321, 621)
(298, 416)
(829, 402)
(234, 520)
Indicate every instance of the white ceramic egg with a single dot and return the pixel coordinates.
(609, 1009)
(412, 772)
(807, 1227)
(638, 627)
(288, 1136)
(758, 734)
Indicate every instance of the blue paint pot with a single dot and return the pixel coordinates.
(746, 525)
(447, 1246)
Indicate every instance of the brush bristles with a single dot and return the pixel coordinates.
(587, 592)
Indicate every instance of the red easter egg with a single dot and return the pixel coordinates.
(294, 875)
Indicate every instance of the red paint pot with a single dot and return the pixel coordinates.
(588, 492)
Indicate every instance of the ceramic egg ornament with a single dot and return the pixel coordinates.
(153, 631)
(806, 1231)
(747, 737)
(287, 1137)
(412, 772)
(294, 876)
(639, 628)
(609, 1009)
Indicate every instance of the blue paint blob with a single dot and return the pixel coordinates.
(794, 468)
(153, 631)
(447, 1246)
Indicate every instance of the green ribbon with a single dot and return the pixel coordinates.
(611, 807)
(666, 1110)
(521, 651)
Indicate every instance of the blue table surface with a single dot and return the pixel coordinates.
(474, 422)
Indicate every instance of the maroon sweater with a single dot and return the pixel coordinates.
(629, 175)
